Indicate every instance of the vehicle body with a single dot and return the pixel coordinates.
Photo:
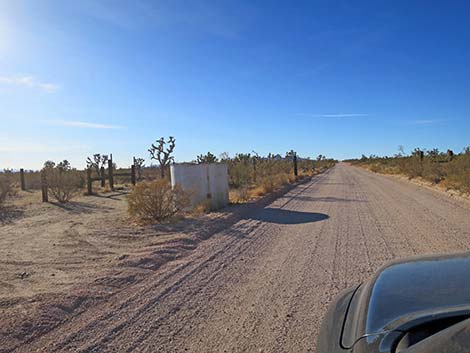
(420, 304)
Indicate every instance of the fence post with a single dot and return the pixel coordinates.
(89, 181)
(45, 196)
(23, 184)
(450, 155)
(254, 169)
(103, 177)
(296, 173)
(133, 174)
(110, 174)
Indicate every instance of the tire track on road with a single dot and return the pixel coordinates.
(264, 283)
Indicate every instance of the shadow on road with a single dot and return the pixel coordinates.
(78, 207)
(115, 195)
(326, 199)
(8, 214)
(281, 216)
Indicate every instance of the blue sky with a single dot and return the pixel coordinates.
(340, 78)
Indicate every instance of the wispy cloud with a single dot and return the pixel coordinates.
(208, 17)
(29, 81)
(86, 125)
(348, 115)
(424, 122)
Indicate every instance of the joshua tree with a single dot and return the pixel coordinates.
(224, 156)
(417, 152)
(158, 153)
(291, 154)
(64, 165)
(97, 162)
(434, 153)
(208, 158)
(139, 164)
(401, 150)
(242, 157)
(49, 164)
(256, 157)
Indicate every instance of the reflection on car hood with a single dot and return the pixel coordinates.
(417, 286)
(409, 290)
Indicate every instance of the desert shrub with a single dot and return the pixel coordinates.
(452, 170)
(33, 180)
(272, 183)
(252, 176)
(63, 182)
(291, 178)
(153, 172)
(156, 201)
(240, 173)
(458, 173)
(207, 158)
(376, 168)
(433, 171)
(414, 167)
(268, 184)
(6, 186)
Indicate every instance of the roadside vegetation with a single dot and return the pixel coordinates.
(252, 176)
(152, 199)
(448, 169)
(63, 182)
(156, 201)
(6, 185)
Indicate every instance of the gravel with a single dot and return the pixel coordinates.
(264, 283)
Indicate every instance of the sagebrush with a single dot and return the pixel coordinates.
(156, 201)
(63, 182)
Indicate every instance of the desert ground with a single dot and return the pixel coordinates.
(251, 278)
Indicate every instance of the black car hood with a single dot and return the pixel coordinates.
(406, 292)
(455, 339)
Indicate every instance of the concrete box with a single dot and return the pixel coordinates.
(206, 183)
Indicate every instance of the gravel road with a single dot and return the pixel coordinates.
(264, 284)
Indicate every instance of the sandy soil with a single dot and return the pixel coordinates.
(56, 260)
(260, 281)
(42, 245)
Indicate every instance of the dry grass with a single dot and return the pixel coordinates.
(240, 195)
(452, 173)
(200, 209)
(264, 186)
(5, 187)
(270, 175)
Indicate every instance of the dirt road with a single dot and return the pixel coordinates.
(263, 284)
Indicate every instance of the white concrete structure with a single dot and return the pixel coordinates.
(206, 183)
